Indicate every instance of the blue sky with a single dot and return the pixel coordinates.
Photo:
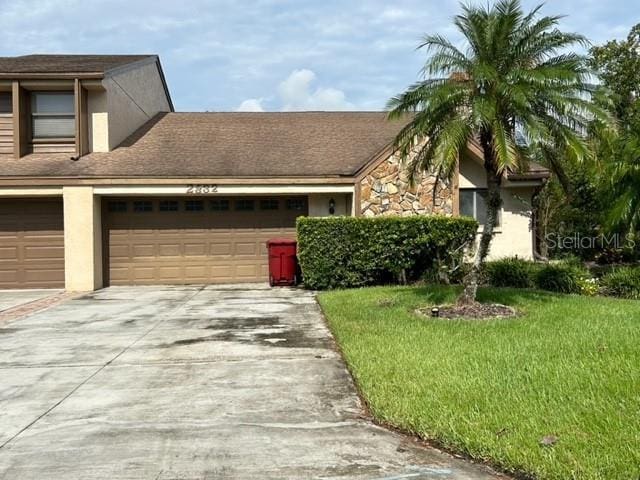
(223, 55)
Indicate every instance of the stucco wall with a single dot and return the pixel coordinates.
(133, 98)
(128, 101)
(82, 239)
(319, 204)
(514, 236)
(98, 121)
(386, 190)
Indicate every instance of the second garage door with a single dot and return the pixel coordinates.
(31, 243)
(185, 240)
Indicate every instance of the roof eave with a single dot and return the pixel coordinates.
(52, 76)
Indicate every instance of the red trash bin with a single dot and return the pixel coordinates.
(283, 263)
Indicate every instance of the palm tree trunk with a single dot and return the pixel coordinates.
(493, 204)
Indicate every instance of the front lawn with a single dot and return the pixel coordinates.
(569, 367)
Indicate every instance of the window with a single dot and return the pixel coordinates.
(219, 204)
(52, 115)
(473, 203)
(140, 206)
(117, 206)
(296, 204)
(5, 103)
(269, 204)
(168, 206)
(244, 205)
(194, 205)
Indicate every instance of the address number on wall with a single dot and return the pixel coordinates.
(200, 189)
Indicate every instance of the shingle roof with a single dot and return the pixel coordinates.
(234, 145)
(308, 144)
(66, 64)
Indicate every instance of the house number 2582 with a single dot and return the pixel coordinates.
(199, 189)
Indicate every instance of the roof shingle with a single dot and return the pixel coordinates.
(234, 145)
(66, 64)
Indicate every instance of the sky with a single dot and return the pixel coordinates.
(272, 55)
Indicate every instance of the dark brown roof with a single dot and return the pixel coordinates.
(535, 172)
(234, 145)
(66, 64)
(309, 144)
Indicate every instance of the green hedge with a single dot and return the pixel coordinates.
(341, 252)
(562, 277)
(622, 282)
(511, 272)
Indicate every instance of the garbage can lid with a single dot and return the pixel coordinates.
(281, 241)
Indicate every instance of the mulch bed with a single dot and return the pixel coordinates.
(475, 311)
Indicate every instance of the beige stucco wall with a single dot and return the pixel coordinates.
(319, 204)
(514, 236)
(82, 239)
(126, 102)
(133, 97)
(98, 121)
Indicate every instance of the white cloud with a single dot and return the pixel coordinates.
(298, 94)
(251, 105)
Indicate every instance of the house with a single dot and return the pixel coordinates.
(102, 183)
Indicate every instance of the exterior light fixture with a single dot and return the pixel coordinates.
(332, 206)
(435, 312)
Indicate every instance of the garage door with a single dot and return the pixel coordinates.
(194, 240)
(31, 244)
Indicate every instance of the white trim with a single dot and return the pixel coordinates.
(30, 191)
(221, 189)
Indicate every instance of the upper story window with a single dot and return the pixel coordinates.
(473, 203)
(52, 115)
(5, 103)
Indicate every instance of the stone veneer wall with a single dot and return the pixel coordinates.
(386, 191)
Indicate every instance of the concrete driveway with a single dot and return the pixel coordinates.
(15, 298)
(191, 383)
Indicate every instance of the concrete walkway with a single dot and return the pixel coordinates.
(14, 298)
(191, 383)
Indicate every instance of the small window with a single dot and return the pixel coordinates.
(52, 115)
(168, 206)
(5, 103)
(298, 204)
(473, 203)
(245, 205)
(117, 206)
(194, 205)
(219, 204)
(269, 204)
(140, 206)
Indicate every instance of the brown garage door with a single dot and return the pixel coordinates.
(31, 244)
(194, 240)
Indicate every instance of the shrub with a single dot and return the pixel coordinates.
(510, 272)
(622, 282)
(561, 277)
(340, 252)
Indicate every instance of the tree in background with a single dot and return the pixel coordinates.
(513, 80)
(618, 66)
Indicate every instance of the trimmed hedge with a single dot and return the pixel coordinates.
(511, 272)
(623, 282)
(342, 252)
(561, 278)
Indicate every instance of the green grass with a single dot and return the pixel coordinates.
(569, 366)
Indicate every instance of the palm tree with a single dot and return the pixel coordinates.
(623, 177)
(512, 87)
